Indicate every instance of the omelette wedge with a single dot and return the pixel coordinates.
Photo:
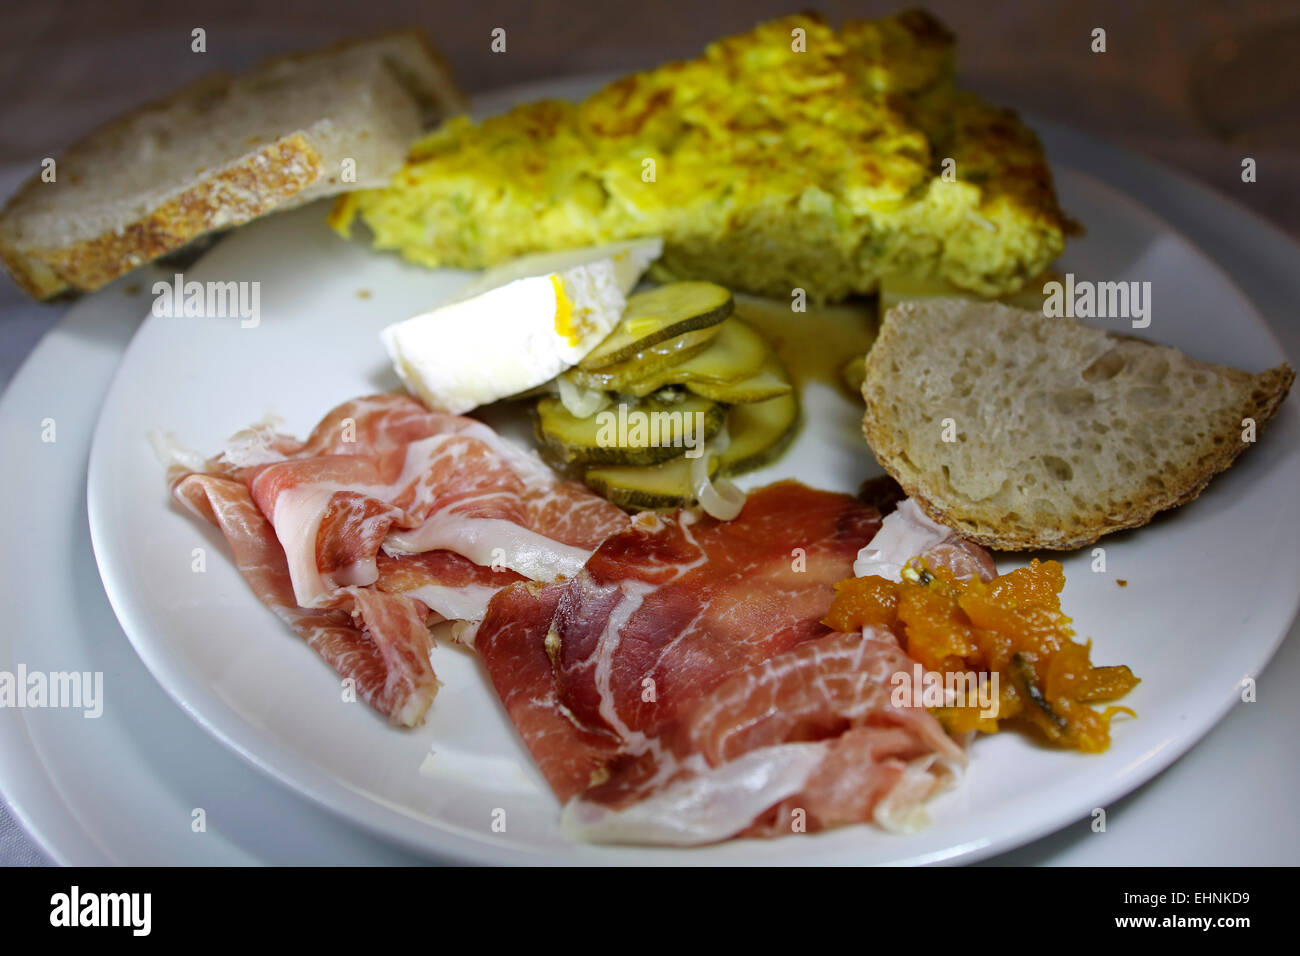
(794, 156)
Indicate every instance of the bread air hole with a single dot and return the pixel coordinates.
(1058, 468)
(1149, 396)
(1154, 372)
(1073, 401)
(1106, 366)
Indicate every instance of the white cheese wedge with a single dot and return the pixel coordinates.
(518, 327)
(631, 260)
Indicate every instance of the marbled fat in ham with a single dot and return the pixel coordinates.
(379, 640)
(386, 519)
(669, 674)
(681, 689)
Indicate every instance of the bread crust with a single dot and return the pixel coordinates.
(256, 183)
(1269, 389)
(250, 187)
(451, 99)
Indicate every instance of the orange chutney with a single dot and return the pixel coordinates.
(1011, 626)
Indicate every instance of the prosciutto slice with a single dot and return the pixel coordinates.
(384, 472)
(449, 584)
(386, 519)
(676, 605)
(681, 689)
(378, 640)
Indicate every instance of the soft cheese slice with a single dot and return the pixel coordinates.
(519, 326)
(631, 260)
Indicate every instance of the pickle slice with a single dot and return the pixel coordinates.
(648, 361)
(767, 382)
(852, 373)
(658, 315)
(759, 432)
(665, 485)
(737, 352)
(640, 433)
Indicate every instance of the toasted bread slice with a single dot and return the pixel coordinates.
(1059, 433)
(220, 152)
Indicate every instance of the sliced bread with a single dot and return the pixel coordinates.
(220, 152)
(1027, 432)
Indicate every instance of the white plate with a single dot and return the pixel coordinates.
(120, 788)
(1204, 606)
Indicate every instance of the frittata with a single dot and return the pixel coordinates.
(794, 156)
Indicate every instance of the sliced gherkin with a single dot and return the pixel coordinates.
(640, 433)
(658, 315)
(852, 373)
(759, 432)
(665, 485)
(647, 362)
(737, 352)
(768, 382)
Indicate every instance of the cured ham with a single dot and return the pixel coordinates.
(681, 689)
(683, 603)
(386, 519)
(512, 643)
(449, 584)
(670, 674)
(380, 641)
(385, 472)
